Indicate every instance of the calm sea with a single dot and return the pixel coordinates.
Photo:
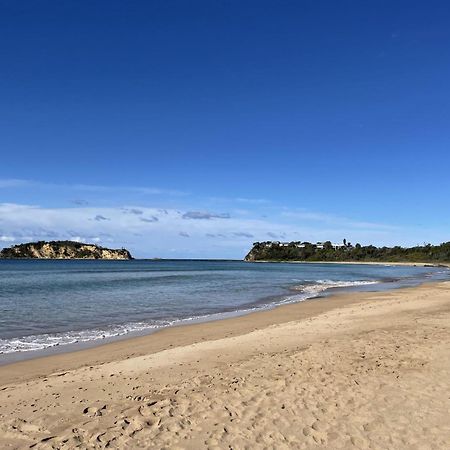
(54, 303)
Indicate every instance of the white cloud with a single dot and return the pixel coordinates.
(163, 232)
(7, 239)
(165, 229)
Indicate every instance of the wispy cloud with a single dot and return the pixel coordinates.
(243, 234)
(131, 189)
(135, 211)
(273, 235)
(254, 201)
(200, 215)
(144, 190)
(99, 218)
(330, 219)
(247, 200)
(80, 202)
(13, 183)
(151, 219)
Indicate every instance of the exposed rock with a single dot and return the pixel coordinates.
(63, 250)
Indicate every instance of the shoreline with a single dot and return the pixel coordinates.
(148, 342)
(23, 356)
(353, 370)
(369, 263)
(7, 359)
(390, 263)
(176, 336)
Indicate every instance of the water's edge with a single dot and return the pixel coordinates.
(299, 293)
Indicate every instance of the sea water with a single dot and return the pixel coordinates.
(46, 304)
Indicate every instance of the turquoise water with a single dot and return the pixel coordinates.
(53, 303)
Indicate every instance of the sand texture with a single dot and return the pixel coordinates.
(362, 371)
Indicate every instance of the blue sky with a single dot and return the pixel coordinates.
(192, 129)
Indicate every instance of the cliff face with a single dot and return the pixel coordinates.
(252, 255)
(63, 250)
(266, 251)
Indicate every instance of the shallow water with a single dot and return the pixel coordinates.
(53, 303)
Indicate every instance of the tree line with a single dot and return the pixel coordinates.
(263, 251)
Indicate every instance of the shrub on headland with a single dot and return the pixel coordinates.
(296, 251)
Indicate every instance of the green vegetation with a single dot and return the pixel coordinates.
(297, 251)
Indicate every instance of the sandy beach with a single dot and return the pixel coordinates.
(360, 370)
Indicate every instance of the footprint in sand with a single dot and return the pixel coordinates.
(93, 411)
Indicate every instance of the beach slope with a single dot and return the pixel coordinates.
(362, 371)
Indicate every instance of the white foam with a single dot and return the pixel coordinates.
(307, 290)
(44, 341)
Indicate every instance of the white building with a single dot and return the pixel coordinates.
(317, 245)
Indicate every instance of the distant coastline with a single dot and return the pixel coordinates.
(63, 250)
(322, 252)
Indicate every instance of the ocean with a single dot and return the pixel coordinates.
(53, 304)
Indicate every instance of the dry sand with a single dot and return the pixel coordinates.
(351, 371)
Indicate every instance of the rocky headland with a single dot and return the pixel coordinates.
(63, 250)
